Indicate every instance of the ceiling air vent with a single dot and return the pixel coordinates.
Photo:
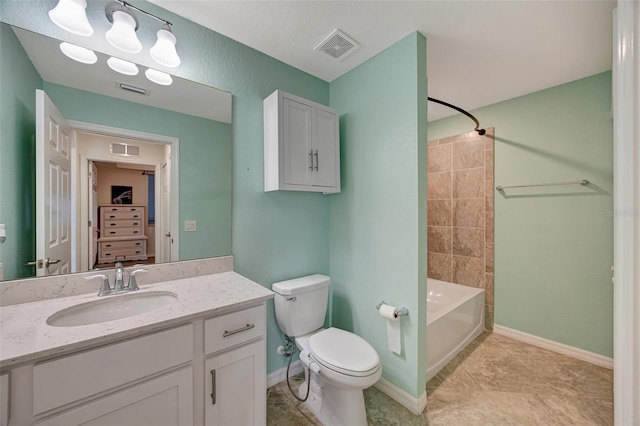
(125, 149)
(337, 45)
(133, 89)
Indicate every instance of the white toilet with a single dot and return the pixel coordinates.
(342, 364)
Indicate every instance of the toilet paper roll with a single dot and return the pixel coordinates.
(394, 334)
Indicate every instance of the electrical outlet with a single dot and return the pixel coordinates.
(190, 225)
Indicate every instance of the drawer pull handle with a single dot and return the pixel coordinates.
(213, 387)
(112, 224)
(133, 210)
(111, 216)
(135, 216)
(112, 232)
(107, 245)
(239, 330)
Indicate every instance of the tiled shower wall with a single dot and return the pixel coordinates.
(460, 212)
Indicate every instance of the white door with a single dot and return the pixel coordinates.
(236, 387)
(53, 189)
(166, 239)
(93, 213)
(163, 401)
(298, 156)
(325, 149)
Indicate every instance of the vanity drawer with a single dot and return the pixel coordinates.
(65, 380)
(233, 329)
(108, 256)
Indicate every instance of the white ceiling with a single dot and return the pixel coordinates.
(478, 52)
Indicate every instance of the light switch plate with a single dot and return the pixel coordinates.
(190, 225)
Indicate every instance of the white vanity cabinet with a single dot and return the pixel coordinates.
(210, 370)
(301, 145)
(235, 375)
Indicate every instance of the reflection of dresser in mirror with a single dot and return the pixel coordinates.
(122, 236)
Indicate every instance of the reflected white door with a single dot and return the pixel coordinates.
(53, 189)
(167, 237)
(93, 213)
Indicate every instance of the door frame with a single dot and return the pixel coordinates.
(626, 214)
(175, 184)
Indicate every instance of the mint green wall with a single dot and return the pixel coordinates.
(18, 83)
(205, 161)
(378, 222)
(553, 247)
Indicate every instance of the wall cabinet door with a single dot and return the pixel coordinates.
(296, 132)
(325, 149)
(164, 401)
(235, 391)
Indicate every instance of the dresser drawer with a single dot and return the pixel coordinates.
(121, 209)
(123, 215)
(127, 244)
(233, 329)
(108, 256)
(69, 379)
(122, 232)
(123, 223)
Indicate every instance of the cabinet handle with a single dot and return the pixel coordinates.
(239, 330)
(311, 159)
(213, 387)
(317, 161)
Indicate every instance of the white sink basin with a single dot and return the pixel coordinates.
(111, 308)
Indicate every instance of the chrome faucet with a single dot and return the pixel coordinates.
(118, 285)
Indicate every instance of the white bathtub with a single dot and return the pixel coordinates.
(455, 316)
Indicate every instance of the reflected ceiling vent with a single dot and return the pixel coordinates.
(337, 45)
(125, 149)
(133, 89)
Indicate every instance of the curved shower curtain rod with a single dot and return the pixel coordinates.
(475, 120)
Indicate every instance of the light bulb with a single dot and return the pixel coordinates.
(122, 66)
(77, 53)
(164, 51)
(70, 15)
(122, 34)
(159, 77)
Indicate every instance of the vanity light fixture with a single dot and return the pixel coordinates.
(164, 51)
(122, 66)
(71, 15)
(158, 77)
(77, 53)
(122, 34)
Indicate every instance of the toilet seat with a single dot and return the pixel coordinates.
(344, 352)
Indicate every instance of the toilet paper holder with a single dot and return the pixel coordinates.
(400, 312)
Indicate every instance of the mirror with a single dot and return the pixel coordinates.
(170, 147)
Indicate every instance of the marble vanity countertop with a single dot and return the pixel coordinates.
(25, 336)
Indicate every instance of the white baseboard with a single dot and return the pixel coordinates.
(281, 374)
(561, 348)
(415, 405)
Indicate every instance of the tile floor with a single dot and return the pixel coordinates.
(494, 381)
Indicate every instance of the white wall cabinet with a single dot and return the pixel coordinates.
(301, 145)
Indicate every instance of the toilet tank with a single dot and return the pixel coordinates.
(301, 304)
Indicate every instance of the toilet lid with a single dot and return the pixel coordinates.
(343, 351)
